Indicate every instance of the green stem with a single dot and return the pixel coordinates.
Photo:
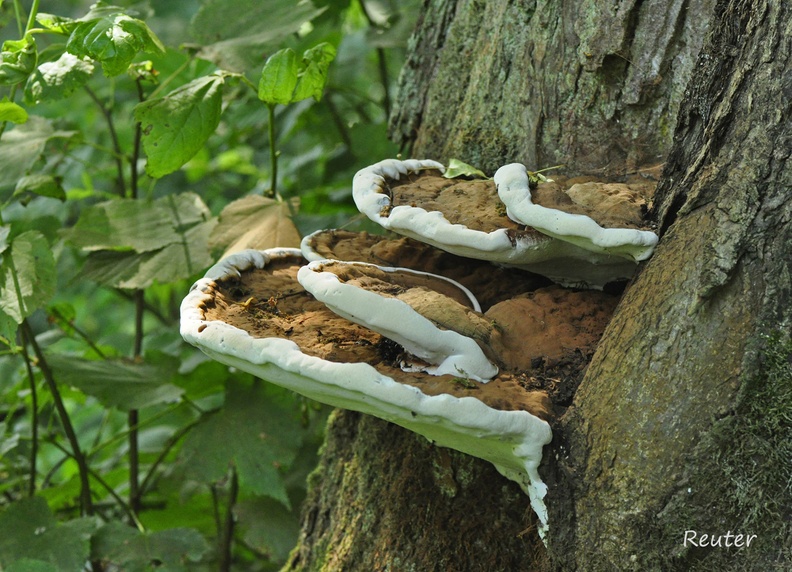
(34, 420)
(86, 506)
(19, 18)
(175, 438)
(133, 180)
(273, 192)
(32, 16)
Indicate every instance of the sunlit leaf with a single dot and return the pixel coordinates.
(177, 125)
(116, 383)
(313, 73)
(13, 112)
(17, 60)
(39, 185)
(114, 40)
(27, 275)
(457, 168)
(238, 35)
(29, 530)
(254, 222)
(279, 78)
(58, 79)
(255, 431)
(130, 550)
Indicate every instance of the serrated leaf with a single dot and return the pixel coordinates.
(133, 551)
(22, 146)
(55, 23)
(39, 185)
(29, 530)
(13, 112)
(137, 225)
(27, 276)
(279, 77)
(55, 80)
(237, 35)
(254, 222)
(140, 270)
(116, 383)
(255, 431)
(457, 168)
(313, 74)
(113, 40)
(177, 125)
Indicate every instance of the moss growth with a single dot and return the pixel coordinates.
(742, 478)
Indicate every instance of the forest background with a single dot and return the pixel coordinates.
(139, 141)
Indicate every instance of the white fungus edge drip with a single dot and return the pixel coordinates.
(511, 440)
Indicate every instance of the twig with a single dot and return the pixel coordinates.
(86, 507)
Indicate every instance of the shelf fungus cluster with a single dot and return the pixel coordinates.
(472, 328)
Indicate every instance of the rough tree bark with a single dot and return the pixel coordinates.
(665, 423)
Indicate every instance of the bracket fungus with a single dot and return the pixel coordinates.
(467, 218)
(472, 355)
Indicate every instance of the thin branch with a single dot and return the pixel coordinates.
(174, 439)
(133, 167)
(133, 418)
(273, 192)
(382, 63)
(86, 507)
(120, 501)
(227, 536)
(34, 441)
(119, 154)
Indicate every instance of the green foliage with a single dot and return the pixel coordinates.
(120, 447)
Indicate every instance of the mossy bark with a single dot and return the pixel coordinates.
(680, 410)
(679, 399)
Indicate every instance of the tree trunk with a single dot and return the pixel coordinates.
(665, 434)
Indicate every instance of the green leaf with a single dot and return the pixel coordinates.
(27, 276)
(279, 78)
(268, 526)
(22, 146)
(137, 225)
(29, 530)
(284, 80)
(39, 185)
(140, 270)
(4, 232)
(457, 168)
(10, 111)
(313, 74)
(257, 431)
(31, 565)
(120, 384)
(17, 60)
(133, 551)
(254, 222)
(237, 34)
(176, 126)
(55, 80)
(114, 40)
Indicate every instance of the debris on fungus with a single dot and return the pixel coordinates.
(443, 330)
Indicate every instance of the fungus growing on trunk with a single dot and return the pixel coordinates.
(471, 355)
(250, 312)
(467, 218)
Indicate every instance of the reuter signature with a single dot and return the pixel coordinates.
(727, 540)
